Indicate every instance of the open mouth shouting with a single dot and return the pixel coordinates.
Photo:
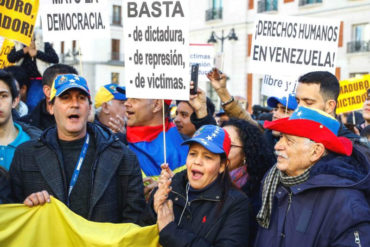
(196, 174)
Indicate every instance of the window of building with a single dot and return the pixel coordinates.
(215, 10)
(357, 74)
(115, 49)
(116, 20)
(307, 2)
(360, 38)
(216, 4)
(267, 5)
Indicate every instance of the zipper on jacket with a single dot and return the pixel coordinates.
(282, 234)
(357, 238)
(289, 201)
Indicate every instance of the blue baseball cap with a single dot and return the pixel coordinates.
(292, 102)
(108, 92)
(213, 138)
(62, 83)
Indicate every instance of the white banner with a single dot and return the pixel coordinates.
(292, 45)
(278, 86)
(74, 19)
(204, 54)
(156, 49)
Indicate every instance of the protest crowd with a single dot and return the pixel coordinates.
(293, 173)
(242, 183)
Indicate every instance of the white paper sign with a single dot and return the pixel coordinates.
(74, 19)
(278, 86)
(156, 49)
(204, 55)
(286, 45)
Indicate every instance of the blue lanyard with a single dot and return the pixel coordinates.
(76, 172)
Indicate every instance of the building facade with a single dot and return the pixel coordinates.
(103, 59)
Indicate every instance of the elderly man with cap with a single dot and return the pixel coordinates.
(110, 109)
(79, 163)
(282, 107)
(317, 194)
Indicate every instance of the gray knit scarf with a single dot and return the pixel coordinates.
(273, 178)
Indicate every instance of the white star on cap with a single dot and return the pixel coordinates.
(204, 142)
(77, 78)
(72, 80)
(209, 138)
(214, 135)
(299, 113)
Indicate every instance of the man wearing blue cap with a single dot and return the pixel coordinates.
(282, 107)
(80, 163)
(110, 109)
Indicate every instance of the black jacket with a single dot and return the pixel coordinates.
(29, 64)
(39, 117)
(203, 224)
(117, 188)
(32, 131)
(5, 193)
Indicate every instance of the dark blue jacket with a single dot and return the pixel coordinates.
(203, 224)
(330, 209)
(117, 190)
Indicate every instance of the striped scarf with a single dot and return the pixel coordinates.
(273, 178)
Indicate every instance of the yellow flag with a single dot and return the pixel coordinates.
(352, 94)
(17, 19)
(4, 51)
(53, 224)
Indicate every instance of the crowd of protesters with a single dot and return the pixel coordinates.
(289, 175)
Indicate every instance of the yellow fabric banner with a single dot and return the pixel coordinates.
(53, 224)
(17, 19)
(352, 94)
(4, 51)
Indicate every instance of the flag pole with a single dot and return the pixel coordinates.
(164, 133)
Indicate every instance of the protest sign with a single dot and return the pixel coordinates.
(74, 19)
(157, 49)
(6, 46)
(17, 19)
(278, 86)
(287, 45)
(353, 93)
(203, 54)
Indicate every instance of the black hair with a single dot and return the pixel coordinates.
(19, 74)
(226, 183)
(210, 105)
(9, 80)
(329, 84)
(50, 73)
(259, 156)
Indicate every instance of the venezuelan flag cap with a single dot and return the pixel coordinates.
(315, 125)
(213, 138)
(108, 92)
(63, 83)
